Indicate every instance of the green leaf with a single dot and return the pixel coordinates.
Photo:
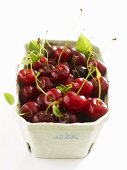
(56, 111)
(25, 61)
(34, 57)
(9, 98)
(64, 89)
(33, 46)
(84, 45)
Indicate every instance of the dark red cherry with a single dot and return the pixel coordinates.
(29, 109)
(46, 70)
(86, 89)
(104, 86)
(68, 118)
(80, 71)
(100, 65)
(42, 116)
(74, 103)
(96, 108)
(52, 95)
(52, 61)
(28, 93)
(77, 57)
(26, 77)
(45, 83)
(51, 51)
(41, 101)
(40, 63)
(63, 53)
(60, 73)
(69, 80)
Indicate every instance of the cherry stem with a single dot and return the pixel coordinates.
(36, 80)
(50, 105)
(65, 45)
(99, 83)
(74, 61)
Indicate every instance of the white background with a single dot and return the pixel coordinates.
(102, 20)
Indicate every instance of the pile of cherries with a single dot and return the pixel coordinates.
(63, 86)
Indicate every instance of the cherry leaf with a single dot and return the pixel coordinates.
(56, 110)
(84, 45)
(9, 98)
(33, 46)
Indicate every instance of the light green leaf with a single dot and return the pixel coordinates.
(33, 46)
(84, 45)
(56, 111)
(25, 61)
(9, 98)
(34, 57)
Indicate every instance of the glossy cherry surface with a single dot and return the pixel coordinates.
(26, 77)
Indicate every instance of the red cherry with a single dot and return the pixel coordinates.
(52, 61)
(86, 89)
(68, 118)
(74, 103)
(52, 95)
(65, 54)
(43, 117)
(100, 65)
(69, 80)
(41, 101)
(51, 51)
(104, 86)
(78, 57)
(29, 109)
(28, 93)
(45, 83)
(96, 108)
(60, 73)
(26, 77)
(46, 70)
(40, 63)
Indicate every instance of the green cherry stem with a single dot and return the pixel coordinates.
(65, 45)
(36, 81)
(50, 105)
(99, 83)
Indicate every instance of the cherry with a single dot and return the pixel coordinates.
(104, 86)
(45, 83)
(51, 51)
(41, 101)
(100, 65)
(43, 117)
(52, 95)
(96, 108)
(52, 61)
(26, 77)
(73, 102)
(46, 70)
(78, 57)
(69, 80)
(80, 71)
(29, 109)
(68, 118)
(60, 73)
(86, 89)
(27, 93)
(63, 53)
(40, 63)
